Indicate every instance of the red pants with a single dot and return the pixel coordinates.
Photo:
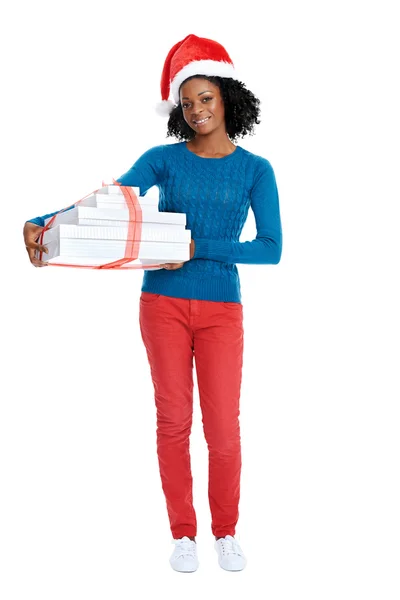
(174, 330)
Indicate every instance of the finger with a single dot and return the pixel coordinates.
(38, 263)
(36, 246)
(31, 252)
(172, 266)
(34, 260)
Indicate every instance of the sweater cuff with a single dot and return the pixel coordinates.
(37, 221)
(200, 249)
(214, 249)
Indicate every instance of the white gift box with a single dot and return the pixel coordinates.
(75, 216)
(147, 233)
(86, 245)
(111, 196)
(115, 189)
(117, 201)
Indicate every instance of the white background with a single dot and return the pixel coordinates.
(82, 511)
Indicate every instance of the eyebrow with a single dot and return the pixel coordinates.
(186, 98)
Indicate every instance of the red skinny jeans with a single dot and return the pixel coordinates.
(174, 330)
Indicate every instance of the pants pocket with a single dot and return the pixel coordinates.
(149, 298)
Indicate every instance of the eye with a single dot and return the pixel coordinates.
(206, 98)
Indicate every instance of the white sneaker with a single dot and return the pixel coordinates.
(230, 554)
(184, 557)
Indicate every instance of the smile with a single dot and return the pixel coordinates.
(202, 121)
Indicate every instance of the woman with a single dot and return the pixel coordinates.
(193, 309)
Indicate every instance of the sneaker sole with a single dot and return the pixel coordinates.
(185, 570)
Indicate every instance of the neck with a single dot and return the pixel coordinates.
(216, 142)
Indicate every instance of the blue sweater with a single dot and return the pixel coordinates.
(215, 194)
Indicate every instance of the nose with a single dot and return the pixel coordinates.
(197, 111)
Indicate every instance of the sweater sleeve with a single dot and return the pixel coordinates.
(146, 172)
(266, 248)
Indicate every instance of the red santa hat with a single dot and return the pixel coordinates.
(192, 56)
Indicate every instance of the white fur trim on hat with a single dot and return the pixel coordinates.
(201, 67)
(164, 108)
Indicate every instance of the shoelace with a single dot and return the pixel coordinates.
(185, 547)
(230, 545)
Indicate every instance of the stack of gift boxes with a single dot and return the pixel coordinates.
(97, 230)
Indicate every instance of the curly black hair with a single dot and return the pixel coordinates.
(242, 110)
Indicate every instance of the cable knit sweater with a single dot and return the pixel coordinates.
(215, 194)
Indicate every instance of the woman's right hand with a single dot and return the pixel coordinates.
(31, 235)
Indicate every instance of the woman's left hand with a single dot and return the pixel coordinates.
(173, 266)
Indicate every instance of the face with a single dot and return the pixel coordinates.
(201, 99)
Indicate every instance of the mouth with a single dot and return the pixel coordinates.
(201, 122)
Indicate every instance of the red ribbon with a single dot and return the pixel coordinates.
(132, 245)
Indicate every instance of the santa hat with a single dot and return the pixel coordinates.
(192, 56)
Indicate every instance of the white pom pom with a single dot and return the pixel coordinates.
(164, 108)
